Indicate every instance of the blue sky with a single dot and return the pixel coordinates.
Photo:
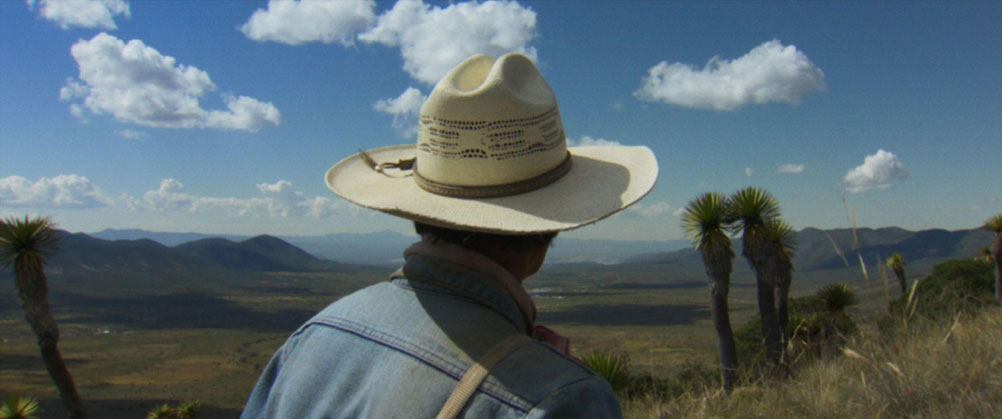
(222, 116)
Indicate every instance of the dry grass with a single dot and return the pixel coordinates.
(945, 370)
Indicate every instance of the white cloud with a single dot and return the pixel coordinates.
(433, 40)
(876, 172)
(135, 83)
(404, 109)
(768, 73)
(790, 168)
(82, 13)
(587, 141)
(297, 22)
(749, 172)
(655, 209)
(277, 199)
(62, 191)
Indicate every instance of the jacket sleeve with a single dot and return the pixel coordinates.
(257, 402)
(588, 398)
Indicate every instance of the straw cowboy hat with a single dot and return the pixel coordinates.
(491, 156)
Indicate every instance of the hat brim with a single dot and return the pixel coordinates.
(602, 181)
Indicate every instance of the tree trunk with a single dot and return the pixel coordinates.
(900, 273)
(770, 321)
(765, 267)
(997, 258)
(32, 291)
(782, 304)
(718, 268)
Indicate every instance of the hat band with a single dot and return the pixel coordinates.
(494, 191)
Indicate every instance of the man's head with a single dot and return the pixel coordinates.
(522, 255)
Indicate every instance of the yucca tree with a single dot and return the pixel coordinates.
(897, 264)
(784, 239)
(751, 209)
(705, 223)
(24, 244)
(995, 224)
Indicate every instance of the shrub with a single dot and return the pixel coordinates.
(953, 286)
(817, 325)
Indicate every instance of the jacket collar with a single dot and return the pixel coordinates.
(488, 278)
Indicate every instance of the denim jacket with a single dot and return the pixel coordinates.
(397, 350)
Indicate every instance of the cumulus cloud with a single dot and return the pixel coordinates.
(62, 191)
(768, 73)
(433, 40)
(655, 209)
(297, 22)
(135, 83)
(82, 13)
(790, 168)
(404, 109)
(277, 199)
(876, 172)
(586, 141)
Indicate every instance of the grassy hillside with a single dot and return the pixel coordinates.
(949, 369)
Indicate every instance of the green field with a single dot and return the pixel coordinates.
(131, 347)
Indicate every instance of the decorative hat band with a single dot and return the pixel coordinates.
(472, 192)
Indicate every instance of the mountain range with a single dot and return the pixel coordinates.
(386, 247)
(80, 252)
(817, 250)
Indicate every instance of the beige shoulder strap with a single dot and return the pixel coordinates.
(477, 373)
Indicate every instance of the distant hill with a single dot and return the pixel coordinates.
(167, 239)
(261, 253)
(82, 253)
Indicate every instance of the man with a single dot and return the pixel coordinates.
(489, 184)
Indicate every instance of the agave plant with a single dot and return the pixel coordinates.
(705, 221)
(614, 368)
(836, 297)
(19, 407)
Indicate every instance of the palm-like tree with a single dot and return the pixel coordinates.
(705, 223)
(752, 209)
(995, 224)
(897, 264)
(24, 244)
(782, 236)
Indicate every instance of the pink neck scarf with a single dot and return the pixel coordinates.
(480, 263)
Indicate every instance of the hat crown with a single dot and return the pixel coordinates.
(490, 122)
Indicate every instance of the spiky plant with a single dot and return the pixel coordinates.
(782, 236)
(705, 221)
(836, 297)
(189, 410)
(163, 411)
(19, 407)
(897, 264)
(614, 368)
(751, 209)
(994, 223)
(24, 245)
